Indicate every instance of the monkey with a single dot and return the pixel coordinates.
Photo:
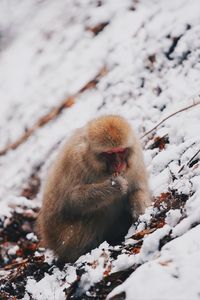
(96, 188)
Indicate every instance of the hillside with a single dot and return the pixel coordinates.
(61, 64)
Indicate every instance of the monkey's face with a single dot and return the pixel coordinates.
(110, 140)
(116, 159)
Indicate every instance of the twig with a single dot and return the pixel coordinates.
(191, 159)
(173, 114)
(14, 265)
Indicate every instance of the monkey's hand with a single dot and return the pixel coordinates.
(121, 183)
(87, 198)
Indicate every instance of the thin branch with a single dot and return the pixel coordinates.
(16, 264)
(173, 114)
(191, 159)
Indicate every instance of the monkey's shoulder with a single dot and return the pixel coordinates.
(74, 145)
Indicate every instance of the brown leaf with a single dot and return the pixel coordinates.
(97, 28)
(160, 223)
(135, 250)
(107, 271)
(160, 142)
(139, 235)
(164, 197)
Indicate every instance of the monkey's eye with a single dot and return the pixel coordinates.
(99, 156)
(103, 156)
(106, 155)
(115, 154)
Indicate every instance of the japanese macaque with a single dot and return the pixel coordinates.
(95, 189)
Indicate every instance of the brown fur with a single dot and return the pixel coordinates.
(81, 205)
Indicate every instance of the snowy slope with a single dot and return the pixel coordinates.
(140, 59)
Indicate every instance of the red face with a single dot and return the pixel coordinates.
(116, 159)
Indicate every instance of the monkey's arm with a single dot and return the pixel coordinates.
(87, 198)
(139, 200)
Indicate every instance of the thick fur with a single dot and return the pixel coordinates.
(83, 204)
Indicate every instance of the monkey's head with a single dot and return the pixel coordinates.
(111, 141)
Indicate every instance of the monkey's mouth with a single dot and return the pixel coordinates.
(116, 159)
(120, 167)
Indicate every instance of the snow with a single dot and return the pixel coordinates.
(44, 289)
(176, 272)
(48, 53)
(173, 217)
(97, 262)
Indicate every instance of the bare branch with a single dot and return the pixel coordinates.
(191, 159)
(173, 114)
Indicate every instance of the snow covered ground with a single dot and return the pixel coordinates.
(140, 59)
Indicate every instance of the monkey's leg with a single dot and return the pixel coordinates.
(78, 239)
